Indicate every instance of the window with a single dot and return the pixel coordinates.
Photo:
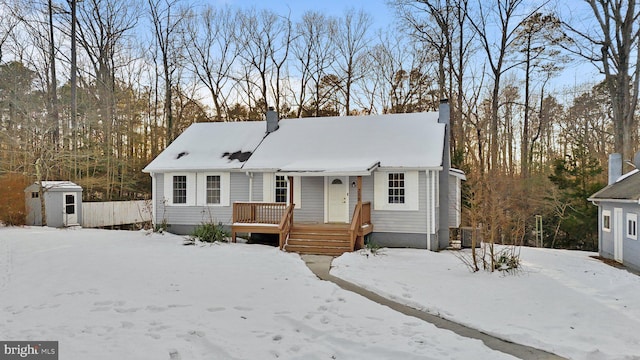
(281, 189)
(606, 220)
(632, 226)
(35, 195)
(70, 204)
(396, 188)
(179, 189)
(213, 189)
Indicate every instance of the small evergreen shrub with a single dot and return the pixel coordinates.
(209, 232)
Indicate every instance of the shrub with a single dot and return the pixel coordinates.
(209, 232)
(12, 202)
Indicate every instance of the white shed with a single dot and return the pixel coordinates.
(63, 202)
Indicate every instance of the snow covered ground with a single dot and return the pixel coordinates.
(562, 301)
(131, 295)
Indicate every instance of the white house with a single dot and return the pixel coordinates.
(318, 182)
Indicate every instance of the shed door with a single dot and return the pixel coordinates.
(338, 200)
(618, 228)
(70, 209)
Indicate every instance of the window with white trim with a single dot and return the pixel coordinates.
(606, 220)
(632, 226)
(282, 189)
(179, 189)
(396, 188)
(213, 187)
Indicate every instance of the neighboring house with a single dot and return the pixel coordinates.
(63, 203)
(348, 177)
(618, 211)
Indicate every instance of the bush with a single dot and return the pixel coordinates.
(209, 232)
(12, 202)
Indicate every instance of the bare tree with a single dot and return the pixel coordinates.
(212, 52)
(352, 43)
(8, 22)
(314, 54)
(265, 38)
(539, 41)
(103, 26)
(167, 19)
(505, 15)
(611, 44)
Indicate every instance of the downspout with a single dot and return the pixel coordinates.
(154, 186)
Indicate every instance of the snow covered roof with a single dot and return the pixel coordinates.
(56, 185)
(210, 146)
(352, 143)
(309, 146)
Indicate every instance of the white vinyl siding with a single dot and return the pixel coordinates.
(606, 220)
(396, 190)
(632, 226)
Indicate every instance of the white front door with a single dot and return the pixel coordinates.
(70, 209)
(338, 199)
(618, 231)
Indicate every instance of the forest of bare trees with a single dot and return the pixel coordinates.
(531, 143)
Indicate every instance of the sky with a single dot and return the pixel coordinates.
(378, 9)
(574, 74)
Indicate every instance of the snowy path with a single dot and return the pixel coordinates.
(320, 265)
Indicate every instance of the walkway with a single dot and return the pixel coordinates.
(320, 265)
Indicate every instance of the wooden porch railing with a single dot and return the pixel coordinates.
(258, 213)
(265, 218)
(285, 226)
(361, 216)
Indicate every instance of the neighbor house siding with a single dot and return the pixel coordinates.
(455, 201)
(631, 247)
(605, 242)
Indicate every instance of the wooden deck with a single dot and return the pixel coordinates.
(304, 238)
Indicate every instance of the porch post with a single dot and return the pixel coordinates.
(359, 184)
(291, 195)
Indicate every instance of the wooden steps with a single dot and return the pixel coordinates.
(320, 239)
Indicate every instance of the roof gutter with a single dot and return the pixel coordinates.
(596, 201)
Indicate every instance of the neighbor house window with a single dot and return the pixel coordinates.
(396, 188)
(180, 189)
(35, 195)
(632, 226)
(606, 220)
(281, 189)
(213, 189)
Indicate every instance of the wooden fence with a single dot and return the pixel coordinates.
(112, 213)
